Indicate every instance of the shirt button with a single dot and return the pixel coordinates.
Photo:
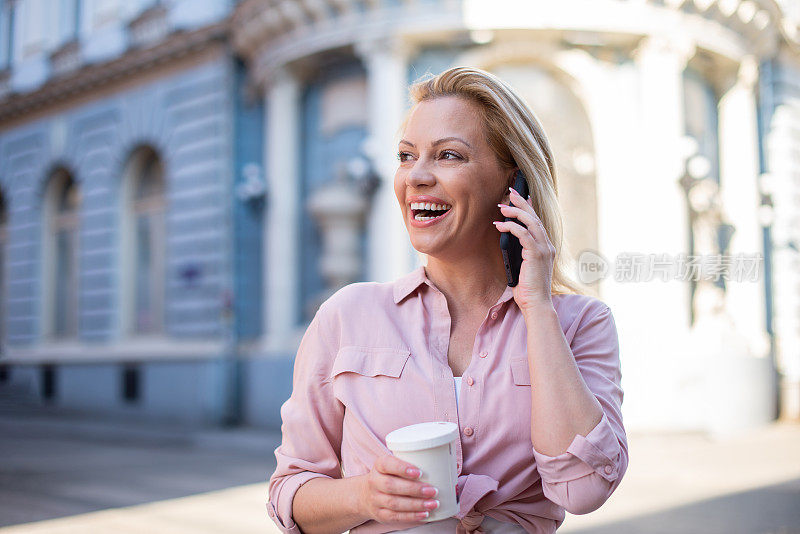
(483, 354)
(494, 315)
(608, 469)
(468, 431)
(470, 381)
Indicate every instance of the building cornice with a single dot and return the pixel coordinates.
(272, 33)
(58, 89)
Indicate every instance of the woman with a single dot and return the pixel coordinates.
(539, 407)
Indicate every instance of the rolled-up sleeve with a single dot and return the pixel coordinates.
(583, 477)
(311, 426)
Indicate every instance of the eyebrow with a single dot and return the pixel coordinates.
(437, 142)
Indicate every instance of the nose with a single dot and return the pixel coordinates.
(420, 174)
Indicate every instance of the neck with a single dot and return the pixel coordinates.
(473, 283)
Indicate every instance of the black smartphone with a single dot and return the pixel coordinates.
(509, 243)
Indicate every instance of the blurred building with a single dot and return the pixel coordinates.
(124, 132)
(184, 181)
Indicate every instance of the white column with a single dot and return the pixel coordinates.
(280, 261)
(654, 221)
(661, 63)
(388, 254)
(738, 154)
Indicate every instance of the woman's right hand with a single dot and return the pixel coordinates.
(391, 493)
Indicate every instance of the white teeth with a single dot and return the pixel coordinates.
(429, 206)
(423, 218)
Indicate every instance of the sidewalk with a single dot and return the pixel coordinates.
(123, 475)
(60, 472)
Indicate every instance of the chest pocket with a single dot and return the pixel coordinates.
(370, 361)
(520, 371)
(368, 381)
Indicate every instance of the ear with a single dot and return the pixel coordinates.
(511, 176)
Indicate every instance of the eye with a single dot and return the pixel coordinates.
(403, 156)
(446, 153)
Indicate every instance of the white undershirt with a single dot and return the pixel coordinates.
(457, 380)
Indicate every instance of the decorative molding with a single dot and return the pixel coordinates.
(149, 27)
(66, 59)
(270, 33)
(177, 46)
(268, 36)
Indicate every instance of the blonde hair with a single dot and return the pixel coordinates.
(518, 140)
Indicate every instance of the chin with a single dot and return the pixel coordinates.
(421, 248)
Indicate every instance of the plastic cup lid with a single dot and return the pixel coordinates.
(422, 436)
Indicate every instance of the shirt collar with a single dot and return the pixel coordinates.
(407, 284)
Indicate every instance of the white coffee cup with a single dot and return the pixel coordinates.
(432, 448)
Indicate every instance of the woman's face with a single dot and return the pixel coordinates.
(444, 154)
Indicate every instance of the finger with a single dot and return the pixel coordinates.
(394, 485)
(392, 465)
(400, 503)
(514, 194)
(525, 218)
(525, 237)
(527, 206)
(389, 516)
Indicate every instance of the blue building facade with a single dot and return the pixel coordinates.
(129, 298)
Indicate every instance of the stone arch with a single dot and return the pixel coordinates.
(552, 81)
(129, 146)
(52, 168)
(64, 152)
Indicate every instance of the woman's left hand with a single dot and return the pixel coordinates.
(538, 253)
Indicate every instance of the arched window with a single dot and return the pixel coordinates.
(3, 242)
(143, 244)
(62, 208)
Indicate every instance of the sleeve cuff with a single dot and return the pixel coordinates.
(282, 513)
(598, 452)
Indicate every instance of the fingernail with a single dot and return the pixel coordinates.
(433, 505)
(413, 472)
(503, 205)
(431, 491)
(513, 190)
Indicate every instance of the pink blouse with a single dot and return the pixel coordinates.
(374, 359)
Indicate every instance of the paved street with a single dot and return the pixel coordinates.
(54, 468)
(64, 475)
